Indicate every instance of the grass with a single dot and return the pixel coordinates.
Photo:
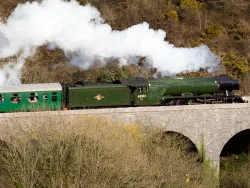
(236, 179)
(235, 172)
(93, 152)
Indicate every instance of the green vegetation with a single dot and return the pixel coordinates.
(211, 32)
(234, 163)
(170, 13)
(85, 152)
(193, 4)
(235, 172)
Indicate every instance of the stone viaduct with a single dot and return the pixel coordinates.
(207, 126)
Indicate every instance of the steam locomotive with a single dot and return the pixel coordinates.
(129, 92)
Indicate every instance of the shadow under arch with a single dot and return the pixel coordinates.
(238, 144)
(182, 141)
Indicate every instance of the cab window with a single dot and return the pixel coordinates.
(16, 98)
(145, 89)
(33, 97)
(142, 89)
(54, 96)
(139, 89)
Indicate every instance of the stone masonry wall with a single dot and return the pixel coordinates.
(211, 125)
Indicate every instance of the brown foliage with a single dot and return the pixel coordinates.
(49, 66)
(185, 22)
(7, 7)
(200, 73)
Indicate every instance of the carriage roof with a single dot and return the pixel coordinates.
(31, 88)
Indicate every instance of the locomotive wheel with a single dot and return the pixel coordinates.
(190, 102)
(167, 103)
(174, 102)
(179, 102)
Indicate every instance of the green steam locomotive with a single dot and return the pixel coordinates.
(129, 92)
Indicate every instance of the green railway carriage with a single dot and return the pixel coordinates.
(31, 97)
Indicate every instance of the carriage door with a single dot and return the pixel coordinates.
(141, 95)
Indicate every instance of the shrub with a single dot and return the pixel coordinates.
(239, 33)
(201, 73)
(235, 65)
(87, 152)
(211, 32)
(193, 4)
(170, 13)
(172, 16)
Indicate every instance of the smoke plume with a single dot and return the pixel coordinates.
(81, 32)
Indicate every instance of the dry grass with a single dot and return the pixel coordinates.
(235, 179)
(234, 171)
(87, 152)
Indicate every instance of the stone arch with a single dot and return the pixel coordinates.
(191, 147)
(238, 143)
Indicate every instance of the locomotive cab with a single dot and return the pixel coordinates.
(139, 90)
(141, 95)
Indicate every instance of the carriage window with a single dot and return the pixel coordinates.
(145, 89)
(16, 98)
(45, 97)
(54, 96)
(33, 98)
(1, 99)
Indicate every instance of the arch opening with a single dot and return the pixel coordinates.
(238, 144)
(234, 161)
(181, 141)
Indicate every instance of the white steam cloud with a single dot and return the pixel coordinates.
(81, 32)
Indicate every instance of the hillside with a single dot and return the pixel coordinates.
(222, 25)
